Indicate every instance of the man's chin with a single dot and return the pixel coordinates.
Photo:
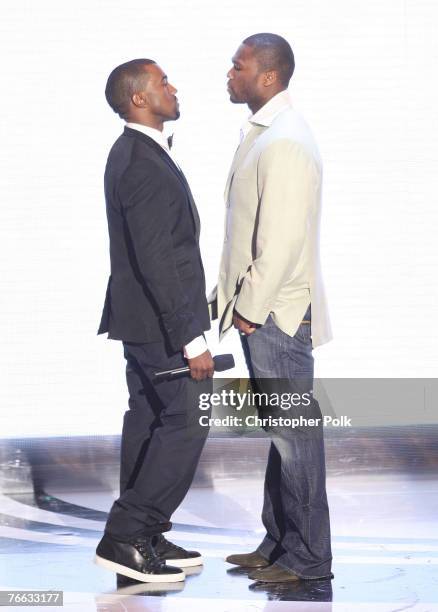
(173, 117)
(234, 99)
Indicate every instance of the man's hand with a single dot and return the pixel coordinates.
(244, 326)
(202, 366)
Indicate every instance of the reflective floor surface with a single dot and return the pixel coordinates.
(385, 546)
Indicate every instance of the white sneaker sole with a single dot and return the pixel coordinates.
(131, 573)
(185, 562)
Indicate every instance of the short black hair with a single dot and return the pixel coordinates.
(123, 82)
(273, 52)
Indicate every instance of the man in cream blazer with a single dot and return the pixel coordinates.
(270, 288)
(270, 260)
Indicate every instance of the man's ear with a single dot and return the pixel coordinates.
(271, 77)
(139, 99)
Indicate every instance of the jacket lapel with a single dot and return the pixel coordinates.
(193, 208)
(173, 168)
(242, 151)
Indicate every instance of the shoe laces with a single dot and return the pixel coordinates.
(169, 545)
(147, 551)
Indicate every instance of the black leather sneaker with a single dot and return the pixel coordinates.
(136, 559)
(175, 555)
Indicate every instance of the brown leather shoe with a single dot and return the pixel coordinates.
(274, 573)
(253, 559)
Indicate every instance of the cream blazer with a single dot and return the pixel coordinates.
(270, 260)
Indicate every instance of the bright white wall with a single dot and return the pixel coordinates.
(366, 82)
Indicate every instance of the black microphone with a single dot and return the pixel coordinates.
(221, 363)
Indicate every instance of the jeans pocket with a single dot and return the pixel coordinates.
(304, 333)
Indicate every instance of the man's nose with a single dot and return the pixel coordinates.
(230, 74)
(173, 89)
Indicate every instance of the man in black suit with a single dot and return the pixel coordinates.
(155, 303)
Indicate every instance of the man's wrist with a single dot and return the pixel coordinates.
(195, 347)
(244, 319)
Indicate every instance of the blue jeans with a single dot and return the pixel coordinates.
(295, 510)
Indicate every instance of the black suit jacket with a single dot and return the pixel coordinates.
(156, 291)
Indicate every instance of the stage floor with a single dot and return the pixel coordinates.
(385, 547)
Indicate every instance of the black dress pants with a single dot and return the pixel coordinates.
(161, 442)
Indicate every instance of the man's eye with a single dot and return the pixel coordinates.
(236, 67)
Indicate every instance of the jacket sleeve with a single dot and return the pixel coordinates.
(288, 181)
(146, 209)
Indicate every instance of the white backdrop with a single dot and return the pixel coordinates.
(365, 81)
